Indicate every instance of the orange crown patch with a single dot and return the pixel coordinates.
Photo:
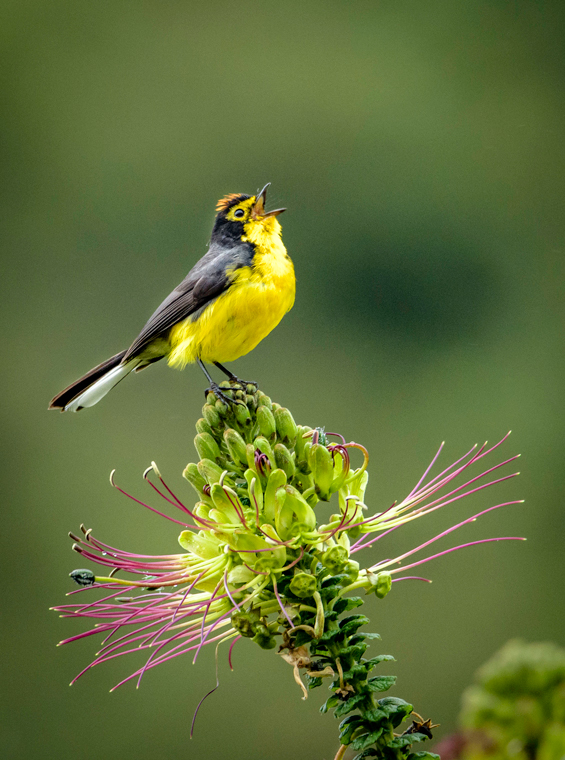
(229, 199)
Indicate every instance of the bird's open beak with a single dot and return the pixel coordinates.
(258, 210)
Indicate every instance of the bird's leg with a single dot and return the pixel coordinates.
(233, 378)
(214, 387)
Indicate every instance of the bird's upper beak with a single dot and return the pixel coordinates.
(258, 210)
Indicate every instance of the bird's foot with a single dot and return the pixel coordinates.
(221, 395)
(234, 380)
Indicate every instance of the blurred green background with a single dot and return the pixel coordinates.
(419, 149)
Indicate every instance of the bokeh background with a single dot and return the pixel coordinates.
(419, 150)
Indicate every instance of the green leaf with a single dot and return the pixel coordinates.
(348, 726)
(366, 753)
(354, 672)
(381, 683)
(378, 659)
(423, 756)
(404, 741)
(332, 701)
(350, 624)
(356, 652)
(397, 709)
(349, 705)
(349, 603)
(376, 715)
(365, 740)
(313, 681)
(362, 636)
(331, 637)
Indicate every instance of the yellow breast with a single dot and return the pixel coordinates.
(255, 302)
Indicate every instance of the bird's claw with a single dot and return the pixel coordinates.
(220, 395)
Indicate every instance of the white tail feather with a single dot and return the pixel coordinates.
(100, 388)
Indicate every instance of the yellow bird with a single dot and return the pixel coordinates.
(229, 301)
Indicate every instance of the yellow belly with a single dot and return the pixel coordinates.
(239, 319)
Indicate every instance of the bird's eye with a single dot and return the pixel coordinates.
(239, 213)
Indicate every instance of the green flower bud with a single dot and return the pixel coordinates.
(381, 583)
(351, 570)
(223, 498)
(245, 622)
(276, 480)
(210, 399)
(251, 401)
(209, 470)
(286, 426)
(255, 489)
(264, 447)
(301, 441)
(221, 408)
(242, 415)
(295, 516)
(203, 427)
(211, 414)
(284, 460)
(207, 447)
(194, 478)
(335, 559)
(264, 400)
(321, 464)
(200, 544)
(236, 446)
(264, 637)
(303, 585)
(266, 423)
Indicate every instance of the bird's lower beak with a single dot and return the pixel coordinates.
(258, 210)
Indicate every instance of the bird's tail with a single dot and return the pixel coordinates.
(94, 385)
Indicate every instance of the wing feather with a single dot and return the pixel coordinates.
(210, 277)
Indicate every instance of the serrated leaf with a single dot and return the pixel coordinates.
(330, 702)
(404, 741)
(366, 753)
(347, 727)
(365, 740)
(350, 624)
(380, 658)
(381, 683)
(376, 715)
(349, 705)
(347, 603)
(313, 681)
(330, 637)
(331, 615)
(354, 672)
(356, 652)
(362, 636)
(397, 709)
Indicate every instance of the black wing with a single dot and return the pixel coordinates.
(209, 277)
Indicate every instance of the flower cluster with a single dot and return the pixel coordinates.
(257, 564)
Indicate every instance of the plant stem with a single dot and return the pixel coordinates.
(341, 752)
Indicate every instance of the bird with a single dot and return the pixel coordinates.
(229, 301)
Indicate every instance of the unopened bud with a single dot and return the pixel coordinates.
(245, 623)
(203, 427)
(264, 400)
(264, 637)
(221, 407)
(381, 583)
(209, 470)
(303, 585)
(321, 464)
(301, 442)
(194, 477)
(242, 415)
(236, 446)
(284, 460)
(83, 577)
(351, 570)
(286, 426)
(207, 447)
(210, 414)
(266, 423)
(335, 559)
